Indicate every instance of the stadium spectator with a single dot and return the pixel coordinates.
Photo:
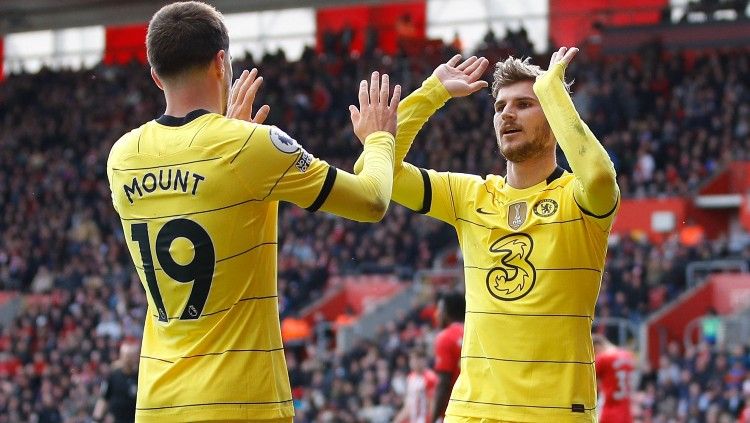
(419, 390)
(118, 391)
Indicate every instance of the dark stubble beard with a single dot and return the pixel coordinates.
(521, 152)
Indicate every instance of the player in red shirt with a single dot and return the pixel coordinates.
(615, 374)
(449, 316)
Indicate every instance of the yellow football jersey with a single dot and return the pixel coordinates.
(198, 199)
(533, 263)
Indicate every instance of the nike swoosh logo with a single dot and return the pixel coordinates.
(482, 211)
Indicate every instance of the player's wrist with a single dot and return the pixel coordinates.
(379, 136)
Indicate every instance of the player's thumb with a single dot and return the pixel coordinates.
(478, 85)
(354, 114)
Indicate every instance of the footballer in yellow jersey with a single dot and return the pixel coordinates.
(534, 244)
(197, 193)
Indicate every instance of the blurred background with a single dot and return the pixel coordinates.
(664, 84)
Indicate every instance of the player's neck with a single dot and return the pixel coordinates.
(184, 98)
(530, 172)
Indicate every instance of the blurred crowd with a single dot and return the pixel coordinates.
(669, 121)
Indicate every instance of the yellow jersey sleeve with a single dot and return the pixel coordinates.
(274, 167)
(365, 197)
(436, 194)
(596, 190)
(413, 113)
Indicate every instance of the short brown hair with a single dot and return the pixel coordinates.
(183, 36)
(512, 70)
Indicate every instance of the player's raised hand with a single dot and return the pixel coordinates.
(462, 79)
(242, 95)
(564, 55)
(375, 112)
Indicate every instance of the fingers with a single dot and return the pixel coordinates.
(476, 86)
(396, 98)
(564, 55)
(364, 98)
(384, 89)
(557, 56)
(479, 65)
(468, 62)
(354, 114)
(262, 114)
(374, 85)
(571, 53)
(246, 106)
(234, 92)
(453, 61)
(480, 70)
(245, 83)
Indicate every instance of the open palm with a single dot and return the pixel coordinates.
(462, 79)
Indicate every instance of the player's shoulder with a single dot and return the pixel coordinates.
(465, 181)
(222, 127)
(269, 137)
(125, 146)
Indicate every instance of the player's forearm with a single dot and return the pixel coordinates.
(597, 188)
(413, 113)
(409, 187)
(365, 197)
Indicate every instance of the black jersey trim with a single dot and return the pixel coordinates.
(597, 216)
(581, 316)
(213, 403)
(238, 301)
(234, 351)
(174, 121)
(325, 190)
(427, 199)
(527, 361)
(198, 132)
(246, 251)
(557, 407)
(222, 259)
(551, 269)
(244, 144)
(556, 174)
(569, 268)
(558, 222)
(453, 201)
(228, 308)
(158, 359)
(166, 165)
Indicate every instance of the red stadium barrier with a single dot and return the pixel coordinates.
(726, 293)
(639, 215)
(571, 22)
(125, 43)
(387, 19)
(352, 294)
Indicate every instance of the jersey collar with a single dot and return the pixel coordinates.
(168, 120)
(556, 174)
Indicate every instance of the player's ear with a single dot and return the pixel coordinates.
(220, 63)
(156, 79)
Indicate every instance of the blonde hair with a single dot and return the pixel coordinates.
(512, 70)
